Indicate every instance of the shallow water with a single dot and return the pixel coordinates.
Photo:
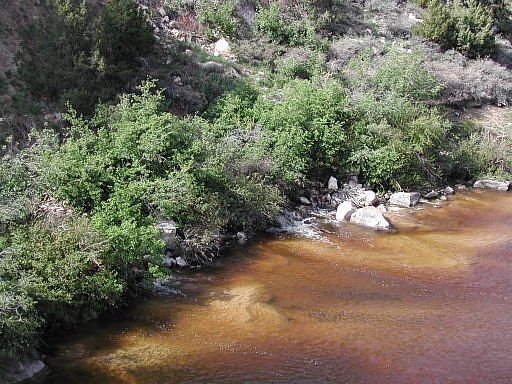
(431, 303)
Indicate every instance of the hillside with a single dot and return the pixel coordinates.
(138, 137)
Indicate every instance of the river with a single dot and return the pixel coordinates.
(429, 303)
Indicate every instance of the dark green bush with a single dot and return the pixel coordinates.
(305, 125)
(19, 322)
(438, 24)
(122, 34)
(474, 28)
(218, 17)
(397, 136)
(82, 55)
(295, 25)
(466, 25)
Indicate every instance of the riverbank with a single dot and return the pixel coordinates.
(426, 303)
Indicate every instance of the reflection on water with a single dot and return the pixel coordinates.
(430, 303)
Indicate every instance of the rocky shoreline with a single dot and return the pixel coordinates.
(353, 203)
(344, 202)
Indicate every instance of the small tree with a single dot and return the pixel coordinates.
(474, 28)
(438, 24)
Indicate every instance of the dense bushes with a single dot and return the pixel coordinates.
(466, 25)
(83, 55)
(397, 136)
(293, 23)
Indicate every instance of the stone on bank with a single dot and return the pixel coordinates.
(493, 184)
(345, 211)
(405, 199)
(370, 217)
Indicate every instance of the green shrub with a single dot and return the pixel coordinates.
(122, 34)
(466, 25)
(269, 23)
(438, 24)
(19, 322)
(396, 136)
(64, 273)
(306, 127)
(474, 26)
(218, 17)
(295, 25)
(398, 72)
(82, 55)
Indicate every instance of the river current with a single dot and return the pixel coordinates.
(428, 303)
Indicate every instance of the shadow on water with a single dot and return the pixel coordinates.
(430, 303)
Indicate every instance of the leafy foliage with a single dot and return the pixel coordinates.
(81, 55)
(466, 25)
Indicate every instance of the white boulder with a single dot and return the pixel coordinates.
(368, 198)
(345, 211)
(222, 48)
(432, 195)
(370, 217)
(332, 185)
(449, 190)
(493, 184)
(181, 261)
(405, 199)
(304, 200)
(167, 229)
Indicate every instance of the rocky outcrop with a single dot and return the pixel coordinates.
(405, 199)
(345, 211)
(370, 217)
(493, 184)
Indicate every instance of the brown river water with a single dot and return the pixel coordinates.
(430, 303)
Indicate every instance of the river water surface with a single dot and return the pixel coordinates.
(430, 303)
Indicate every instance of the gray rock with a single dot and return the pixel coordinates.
(167, 229)
(345, 211)
(460, 187)
(370, 217)
(444, 198)
(368, 198)
(181, 261)
(241, 238)
(168, 262)
(431, 195)
(23, 372)
(493, 184)
(405, 199)
(304, 201)
(332, 185)
(449, 191)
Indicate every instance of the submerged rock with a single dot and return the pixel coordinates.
(405, 199)
(493, 184)
(345, 211)
(370, 217)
